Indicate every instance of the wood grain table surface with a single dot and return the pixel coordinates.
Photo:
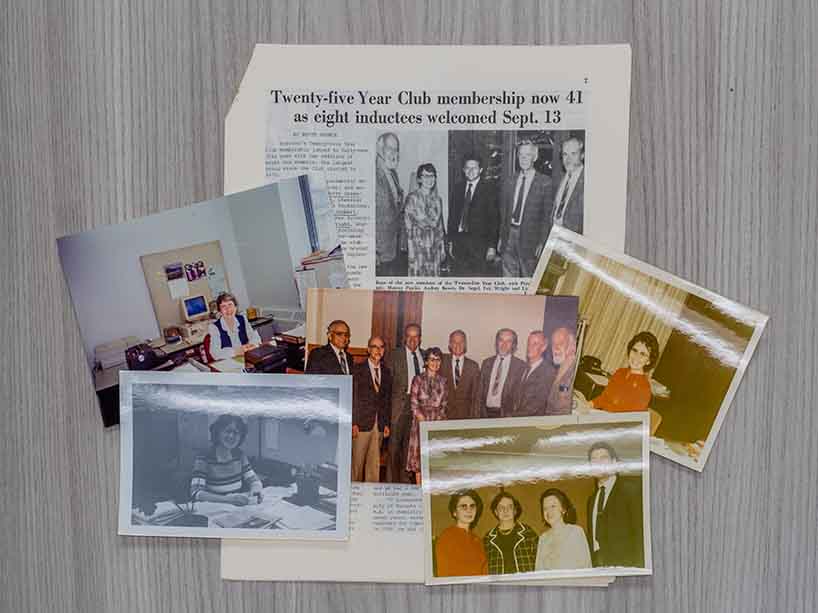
(114, 110)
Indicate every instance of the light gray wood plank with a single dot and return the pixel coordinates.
(114, 110)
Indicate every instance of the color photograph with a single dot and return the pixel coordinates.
(650, 341)
(536, 498)
(426, 356)
(217, 286)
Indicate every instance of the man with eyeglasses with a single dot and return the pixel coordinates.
(371, 406)
(332, 358)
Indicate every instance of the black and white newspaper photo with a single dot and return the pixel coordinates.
(448, 179)
(217, 455)
(650, 341)
(536, 498)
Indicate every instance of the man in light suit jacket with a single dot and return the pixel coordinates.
(371, 407)
(525, 215)
(389, 221)
(569, 202)
(473, 221)
(499, 377)
(537, 380)
(563, 355)
(615, 534)
(332, 358)
(462, 379)
(404, 363)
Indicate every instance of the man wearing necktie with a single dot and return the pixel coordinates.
(462, 376)
(615, 531)
(499, 377)
(569, 201)
(525, 215)
(537, 379)
(371, 398)
(332, 358)
(390, 239)
(404, 363)
(473, 221)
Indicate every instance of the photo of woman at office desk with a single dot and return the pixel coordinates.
(218, 455)
(211, 287)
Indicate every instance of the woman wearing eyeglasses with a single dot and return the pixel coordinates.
(429, 400)
(424, 225)
(458, 552)
(224, 474)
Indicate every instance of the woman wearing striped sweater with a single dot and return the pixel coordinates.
(224, 474)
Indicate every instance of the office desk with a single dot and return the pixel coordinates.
(275, 512)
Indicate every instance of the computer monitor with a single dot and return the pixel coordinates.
(195, 308)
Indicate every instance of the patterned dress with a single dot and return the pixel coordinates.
(428, 398)
(424, 230)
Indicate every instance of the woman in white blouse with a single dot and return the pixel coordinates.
(231, 335)
(563, 545)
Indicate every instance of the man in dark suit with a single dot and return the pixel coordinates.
(404, 363)
(569, 202)
(332, 358)
(389, 205)
(537, 380)
(473, 221)
(462, 379)
(525, 215)
(615, 534)
(371, 406)
(499, 376)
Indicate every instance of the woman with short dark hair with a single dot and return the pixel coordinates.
(231, 335)
(224, 474)
(511, 546)
(429, 402)
(563, 545)
(458, 552)
(629, 388)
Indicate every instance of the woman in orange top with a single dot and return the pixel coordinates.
(629, 388)
(458, 552)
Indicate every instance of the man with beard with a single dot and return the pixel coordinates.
(389, 224)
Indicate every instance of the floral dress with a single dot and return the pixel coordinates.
(425, 234)
(428, 398)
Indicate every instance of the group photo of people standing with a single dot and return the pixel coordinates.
(482, 208)
(418, 357)
(581, 506)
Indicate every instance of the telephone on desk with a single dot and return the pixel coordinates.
(145, 357)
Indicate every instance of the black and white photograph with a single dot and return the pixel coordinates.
(218, 455)
(536, 498)
(484, 209)
(411, 182)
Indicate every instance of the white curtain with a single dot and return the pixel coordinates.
(617, 302)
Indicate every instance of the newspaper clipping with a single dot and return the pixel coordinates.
(439, 189)
(446, 168)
